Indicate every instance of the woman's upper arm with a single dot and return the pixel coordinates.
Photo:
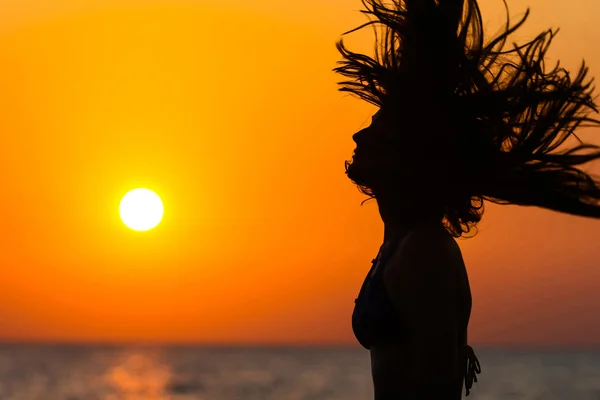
(421, 282)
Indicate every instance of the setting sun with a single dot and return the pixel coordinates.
(141, 209)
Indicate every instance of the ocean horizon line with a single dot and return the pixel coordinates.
(542, 347)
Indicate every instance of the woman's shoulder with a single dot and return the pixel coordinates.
(421, 277)
(424, 250)
(430, 240)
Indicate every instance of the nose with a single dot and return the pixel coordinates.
(358, 136)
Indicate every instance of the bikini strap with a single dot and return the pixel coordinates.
(473, 368)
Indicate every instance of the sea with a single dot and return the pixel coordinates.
(63, 372)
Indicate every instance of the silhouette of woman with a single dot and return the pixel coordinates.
(460, 121)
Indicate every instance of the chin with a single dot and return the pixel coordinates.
(359, 173)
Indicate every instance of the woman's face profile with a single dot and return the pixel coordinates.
(373, 152)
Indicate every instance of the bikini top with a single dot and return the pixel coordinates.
(376, 321)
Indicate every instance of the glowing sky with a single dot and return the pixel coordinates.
(231, 115)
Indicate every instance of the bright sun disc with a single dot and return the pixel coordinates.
(141, 209)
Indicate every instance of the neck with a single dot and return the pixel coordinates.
(392, 231)
(400, 219)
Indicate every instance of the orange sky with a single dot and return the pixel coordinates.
(232, 116)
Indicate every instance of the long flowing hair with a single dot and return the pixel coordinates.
(510, 119)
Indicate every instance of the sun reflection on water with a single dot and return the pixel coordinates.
(139, 376)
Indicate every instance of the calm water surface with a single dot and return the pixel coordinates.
(180, 373)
